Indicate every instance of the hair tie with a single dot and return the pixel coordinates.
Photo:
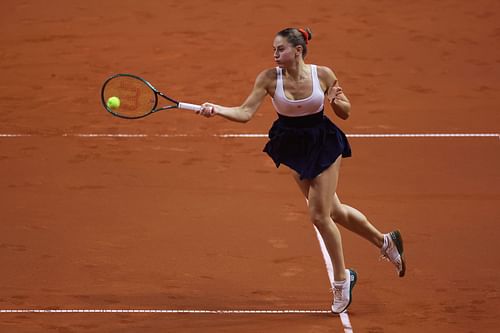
(305, 34)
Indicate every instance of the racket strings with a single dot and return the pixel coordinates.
(136, 97)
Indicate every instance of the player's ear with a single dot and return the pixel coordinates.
(298, 50)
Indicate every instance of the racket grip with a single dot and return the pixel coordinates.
(188, 106)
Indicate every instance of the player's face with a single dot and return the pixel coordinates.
(284, 53)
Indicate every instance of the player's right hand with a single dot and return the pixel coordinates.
(207, 110)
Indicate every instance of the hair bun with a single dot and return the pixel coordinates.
(309, 33)
(306, 34)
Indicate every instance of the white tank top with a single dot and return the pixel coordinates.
(300, 107)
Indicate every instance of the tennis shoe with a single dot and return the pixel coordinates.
(342, 292)
(392, 250)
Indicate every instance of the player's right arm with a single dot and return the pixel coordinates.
(245, 111)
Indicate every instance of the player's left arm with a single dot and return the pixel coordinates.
(334, 93)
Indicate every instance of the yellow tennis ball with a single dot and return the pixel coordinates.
(113, 102)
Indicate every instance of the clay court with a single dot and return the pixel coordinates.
(169, 213)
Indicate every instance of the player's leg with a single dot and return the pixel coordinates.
(390, 244)
(319, 192)
(353, 220)
(321, 189)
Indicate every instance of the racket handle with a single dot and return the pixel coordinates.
(188, 106)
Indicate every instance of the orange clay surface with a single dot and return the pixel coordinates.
(208, 223)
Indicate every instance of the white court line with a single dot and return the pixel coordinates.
(6, 135)
(253, 135)
(395, 135)
(165, 311)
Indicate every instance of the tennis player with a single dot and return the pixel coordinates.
(306, 141)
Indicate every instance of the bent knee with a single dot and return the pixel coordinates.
(339, 214)
(320, 219)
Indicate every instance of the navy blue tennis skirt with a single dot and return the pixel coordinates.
(308, 144)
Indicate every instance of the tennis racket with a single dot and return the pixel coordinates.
(131, 97)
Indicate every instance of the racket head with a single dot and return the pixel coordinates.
(137, 97)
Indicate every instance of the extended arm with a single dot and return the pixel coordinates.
(245, 111)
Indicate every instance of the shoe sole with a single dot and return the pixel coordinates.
(398, 241)
(353, 280)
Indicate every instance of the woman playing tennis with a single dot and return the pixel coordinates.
(306, 141)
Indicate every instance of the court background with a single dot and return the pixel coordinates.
(202, 222)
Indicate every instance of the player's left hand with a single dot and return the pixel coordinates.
(334, 92)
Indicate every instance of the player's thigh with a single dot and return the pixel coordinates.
(302, 183)
(322, 189)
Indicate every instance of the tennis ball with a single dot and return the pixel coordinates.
(113, 102)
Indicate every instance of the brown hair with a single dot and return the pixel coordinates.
(296, 37)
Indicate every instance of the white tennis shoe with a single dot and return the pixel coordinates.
(342, 292)
(392, 250)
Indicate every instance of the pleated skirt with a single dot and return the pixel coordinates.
(307, 144)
